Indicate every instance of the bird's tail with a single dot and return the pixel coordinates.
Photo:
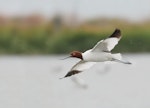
(118, 58)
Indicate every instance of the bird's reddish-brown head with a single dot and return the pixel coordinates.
(76, 54)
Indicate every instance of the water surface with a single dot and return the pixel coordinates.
(33, 82)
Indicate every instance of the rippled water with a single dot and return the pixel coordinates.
(33, 82)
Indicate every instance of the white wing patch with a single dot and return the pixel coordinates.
(79, 67)
(82, 65)
(105, 45)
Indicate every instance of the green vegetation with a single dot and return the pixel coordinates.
(45, 40)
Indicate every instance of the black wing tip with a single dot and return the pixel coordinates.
(70, 73)
(117, 29)
(116, 33)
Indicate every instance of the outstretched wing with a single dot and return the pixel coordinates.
(79, 67)
(109, 43)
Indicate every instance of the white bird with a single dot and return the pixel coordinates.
(101, 52)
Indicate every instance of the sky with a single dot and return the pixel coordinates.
(85, 9)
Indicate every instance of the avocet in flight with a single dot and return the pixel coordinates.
(101, 52)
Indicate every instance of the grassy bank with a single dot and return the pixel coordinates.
(44, 40)
(131, 42)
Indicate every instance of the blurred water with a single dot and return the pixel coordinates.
(33, 82)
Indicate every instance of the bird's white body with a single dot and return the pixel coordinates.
(101, 52)
(90, 56)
